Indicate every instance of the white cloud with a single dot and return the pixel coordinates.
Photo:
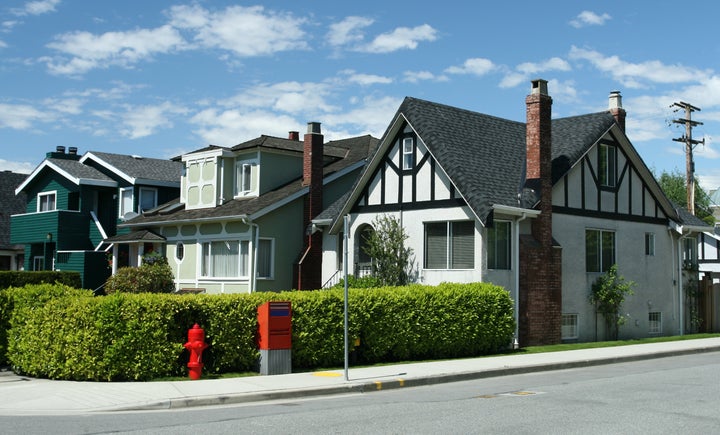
(19, 167)
(230, 127)
(370, 116)
(6, 26)
(418, 76)
(142, 121)
(20, 116)
(38, 7)
(633, 75)
(348, 31)
(366, 79)
(477, 66)
(245, 31)
(123, 49)
(589, 18)
(2, 44)
(402, 38)
(523, 71)
(291, 97)
(67, 106)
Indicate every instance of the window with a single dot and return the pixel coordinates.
(607, 172)
(569, 326)
(649, 243)
(46, 201)
(226, 258)
(450, 245)
(148, 199)
(243, 178)
(599, 250)
(655, 322)
(179, 251)
(408, 153)
(498, 245)
(264, 258)
(38, 263)
(126, 201)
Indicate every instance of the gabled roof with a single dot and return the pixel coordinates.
(484, 156)
(136, 237)
(690, 222)
(138, 170)
(350, 154)
(11, 204)
(72, 170)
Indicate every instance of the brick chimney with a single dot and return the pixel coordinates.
(309, 266)
(616, 109)
(539, 155)
(294, 135)
(540, 268)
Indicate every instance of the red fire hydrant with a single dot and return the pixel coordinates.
(196, 345)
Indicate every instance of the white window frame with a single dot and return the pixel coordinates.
(650, 244)
(408, 155)
(179, 252)
(602, 266)
(607, 165)
(244, 174)
(41, 198)
(271, 272)
(38, 260)
(143, 191)
(243, 259)
(655, 322)
(569, 326)
(508, 259)
(449, 248)
(121, 203)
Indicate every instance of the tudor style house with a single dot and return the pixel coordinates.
(542, 208)
(74, 202)
(242, 223)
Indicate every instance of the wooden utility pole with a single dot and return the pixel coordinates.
(690, 144)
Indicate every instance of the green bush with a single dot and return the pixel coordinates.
(61, 333)
(14, 278)
(154, 277)
(367, 281)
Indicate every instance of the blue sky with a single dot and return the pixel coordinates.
(159, 78)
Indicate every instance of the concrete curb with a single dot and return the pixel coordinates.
(398, 382)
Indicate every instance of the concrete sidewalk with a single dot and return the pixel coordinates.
(21, 395)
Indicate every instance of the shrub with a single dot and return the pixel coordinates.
(367, 281)
(155, 277)
(14, 278)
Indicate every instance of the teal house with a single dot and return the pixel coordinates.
(75, 202)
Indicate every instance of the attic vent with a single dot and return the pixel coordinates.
(136, 157)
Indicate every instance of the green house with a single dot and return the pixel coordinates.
(243, 220)
(75, 202)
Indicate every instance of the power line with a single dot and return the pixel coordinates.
(690, 145)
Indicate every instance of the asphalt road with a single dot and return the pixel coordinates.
(667, 395)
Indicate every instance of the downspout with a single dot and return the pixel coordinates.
(681, 306)
(256, 241)
(517, 279)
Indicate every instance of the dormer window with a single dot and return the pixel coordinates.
(408, 153)
(126, 201)
(148, 199)
(244, 177)
(46, 201)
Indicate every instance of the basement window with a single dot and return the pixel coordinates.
(569, 326)
(654, 322)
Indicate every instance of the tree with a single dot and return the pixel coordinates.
(673, 184)
(608, 294)
(153, 276)
(391, 259)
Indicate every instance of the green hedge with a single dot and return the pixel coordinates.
(14, 278)
(61, 333)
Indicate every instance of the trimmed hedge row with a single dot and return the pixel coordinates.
(15, 278)
(66, 334)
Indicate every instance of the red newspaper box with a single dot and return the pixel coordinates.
(275, 325)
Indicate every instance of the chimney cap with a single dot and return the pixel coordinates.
(615, 100)
(313, 127)
(60, 149)
(539, 86)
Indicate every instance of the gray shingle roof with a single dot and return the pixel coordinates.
(78, 170)
(11, 204)
(143, 168)
(340, 154)
(484, 156)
